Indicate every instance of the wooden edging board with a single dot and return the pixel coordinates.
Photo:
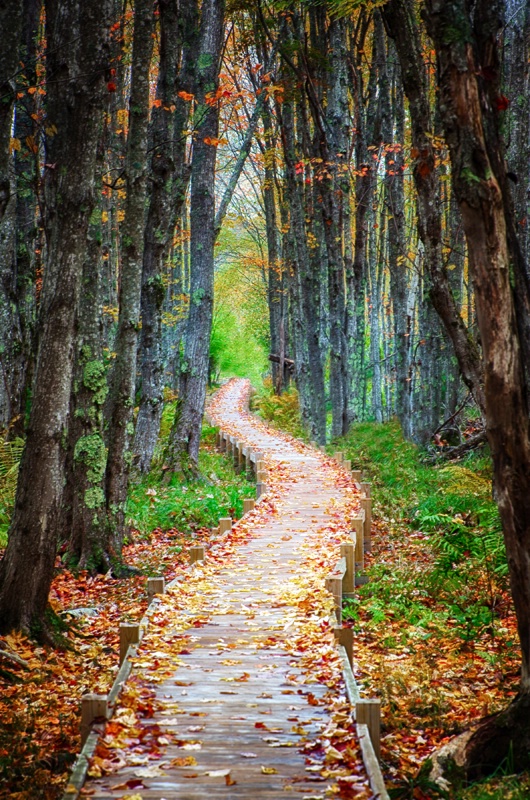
(371, 764)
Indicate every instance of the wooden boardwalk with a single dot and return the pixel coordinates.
(236, 691)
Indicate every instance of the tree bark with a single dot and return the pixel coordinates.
(169, 177)
(11, 27)
(123, 377)
(185, 435)
(18, 233)
(471, 130)
(402, 26)
(77, 60)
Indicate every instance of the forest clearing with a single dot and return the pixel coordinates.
(327, 200)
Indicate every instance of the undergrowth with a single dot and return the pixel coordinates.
(282, 411)
(188, 505)
(452, 509)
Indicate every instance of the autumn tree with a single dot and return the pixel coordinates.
(471, 107)
(185, 434)
(77, 75)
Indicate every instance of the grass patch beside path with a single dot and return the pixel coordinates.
(189, 505)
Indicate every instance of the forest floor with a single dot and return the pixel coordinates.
(436, 673)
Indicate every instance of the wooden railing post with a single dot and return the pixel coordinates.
(225, 524)
(356, 475)
(366, 488)
(368, 712)
(94, 707)
(344, 636)
(196, 553)
(347, 551)
(248, 504)
(338, 456)
(129, 634)
(155, 586)
(358, 529)
(366, 505)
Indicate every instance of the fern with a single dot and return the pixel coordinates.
(461, 479)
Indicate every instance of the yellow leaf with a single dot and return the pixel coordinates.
(14, 144)
(269, 770)
(104, 216)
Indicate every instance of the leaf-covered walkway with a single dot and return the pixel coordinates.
(237, 690)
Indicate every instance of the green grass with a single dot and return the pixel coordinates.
(189, 505)
(507, 787)
(451, 505)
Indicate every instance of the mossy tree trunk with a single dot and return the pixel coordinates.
(402, 26)
(77, 62)
(469, 84)
(185, 435)
(168, 177)
(123, 377)
(18, 226)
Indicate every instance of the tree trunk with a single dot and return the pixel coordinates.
(123, 378)
(186, 431)
(17, 239)
(83, 507)
(11, 27)
(77, 60)
(169, 181)
(401, 24)
(471, 130)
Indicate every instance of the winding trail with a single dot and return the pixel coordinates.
(236, 690)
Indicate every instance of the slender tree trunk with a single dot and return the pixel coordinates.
(18, 233)
(471, 129)
(123, 377)
(186, 431)
(169, 181)
(11, 28)
(83, 507)
(77, 59)
(402, 26)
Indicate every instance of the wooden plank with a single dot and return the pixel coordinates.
(366, 505)
(366, 488)
(339, 456)
(356, 475)
(368, 712)
(347, 551)
(129, 634)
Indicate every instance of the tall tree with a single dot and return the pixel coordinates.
(77, 73)
(169, 177)
(186, 431)
(402, 26)
(18, 228)
(469, 83)
(123, 377)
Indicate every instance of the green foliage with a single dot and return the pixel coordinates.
(282, 411)
(452, 507)
(188, 505)
(240, 335)
(10, 455)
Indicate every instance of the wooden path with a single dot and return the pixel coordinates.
(236, 691)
